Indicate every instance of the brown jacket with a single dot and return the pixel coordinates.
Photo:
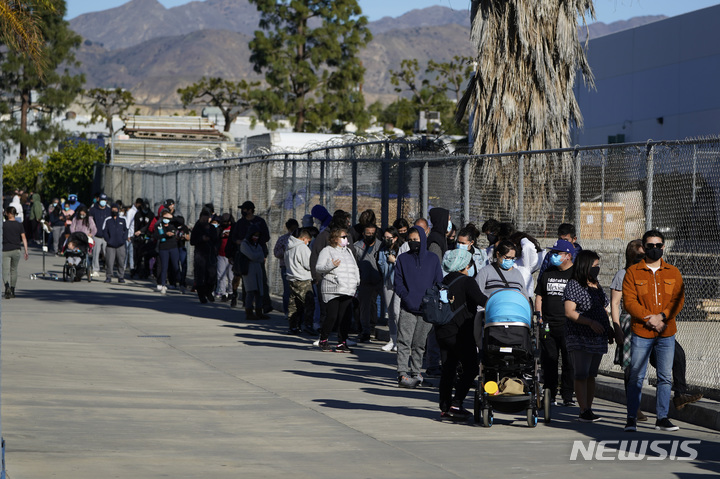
(645, 293)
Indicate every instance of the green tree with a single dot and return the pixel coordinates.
(28, 92)
(308, 51)
(452, 75)
(23, 174)
(104, 103)
(71, 170)
(233, 98)
(20, 29)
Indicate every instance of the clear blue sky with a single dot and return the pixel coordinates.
(607, 10)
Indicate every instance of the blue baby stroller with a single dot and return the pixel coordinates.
(510, 350)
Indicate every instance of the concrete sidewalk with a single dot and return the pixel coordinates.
(117, 381)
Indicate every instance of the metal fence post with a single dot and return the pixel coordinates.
(322, 181)
(521, 193)
(649, 173)
(602, 195)
(466, 191)
(354, 184)
(385, 187)
(401, 183)
(308, 185)
(578, 199)
(294, 187)
(424, 193)
(694, 180)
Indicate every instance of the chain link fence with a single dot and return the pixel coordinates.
(612, 193)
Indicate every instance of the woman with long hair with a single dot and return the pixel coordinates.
(386, 259)
(588, 328)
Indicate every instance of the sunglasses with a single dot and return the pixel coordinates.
(653, 245)
(344, 237)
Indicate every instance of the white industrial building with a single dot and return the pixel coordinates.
(659, 81)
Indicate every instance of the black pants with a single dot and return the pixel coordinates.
(553, 350)
(454, 350)
(338, 310)
(678, 369)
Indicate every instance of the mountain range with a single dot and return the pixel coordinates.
(152, 50)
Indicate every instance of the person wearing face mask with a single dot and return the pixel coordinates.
(402, 225)
(238, 234)
(370, 287)
(340, 280)
(386, 259)
(466, 240)
(490, 229)
(73, 202)
(99, 212)
(279, 250)
(301, 305)
(252, 277)
(166, 236)
(501, 274)
(224, 268)
(114, 232)
(653, 294)
(441, 228)
(587, 328)
(457, 338)
(83, 222)
(56, 217)
(550, 309)
(204, 237)
(415, 272)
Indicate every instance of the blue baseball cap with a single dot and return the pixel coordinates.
(563, 246)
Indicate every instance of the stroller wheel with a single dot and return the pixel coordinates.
(65, 273)
(546, 405)
(532, 417)
(487, 417)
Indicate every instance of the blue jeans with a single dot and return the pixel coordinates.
(168, 259)
(641, 349)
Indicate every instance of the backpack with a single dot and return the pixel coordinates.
(433, 309)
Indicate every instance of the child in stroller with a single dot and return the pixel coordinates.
(77, 250)
(509, 354)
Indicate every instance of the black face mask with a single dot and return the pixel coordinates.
(369, 240)
(654, 254)
(451, 244)
(593, 273)
(113, 214)
(492, 238)
(639, 257)
(414, 246)
(403, 236)
(388, 242)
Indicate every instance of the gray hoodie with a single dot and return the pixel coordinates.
(297, 260)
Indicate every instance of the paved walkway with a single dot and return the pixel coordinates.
(102, 381)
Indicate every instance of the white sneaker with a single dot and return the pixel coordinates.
(316, 342)
(390, 346)
(159, 287)
(163, 290)
(95, 274)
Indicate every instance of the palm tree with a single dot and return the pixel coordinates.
(20, 27)
(521, 98)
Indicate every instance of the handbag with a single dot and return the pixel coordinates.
(511, 386)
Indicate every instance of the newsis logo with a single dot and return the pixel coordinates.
(650, 450)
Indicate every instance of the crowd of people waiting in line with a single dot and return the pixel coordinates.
(335, 275)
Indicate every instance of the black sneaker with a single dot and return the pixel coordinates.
(459, 413)
(293, 331)
(568, 403)
(342, 348)
(434, 372)
(588, 416)
(325, 347)
(108, 280)
(630, 425)
(664, 424)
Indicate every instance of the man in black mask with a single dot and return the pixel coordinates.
(115, 232)
(365, 252)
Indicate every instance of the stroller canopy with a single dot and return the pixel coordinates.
(508, 306)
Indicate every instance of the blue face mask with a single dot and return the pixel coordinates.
(103, 203)
(463, 246)
(166, 221)
(471, 271)
(507, 263)
(556, 259)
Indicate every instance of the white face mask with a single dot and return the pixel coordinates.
(343, 242)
